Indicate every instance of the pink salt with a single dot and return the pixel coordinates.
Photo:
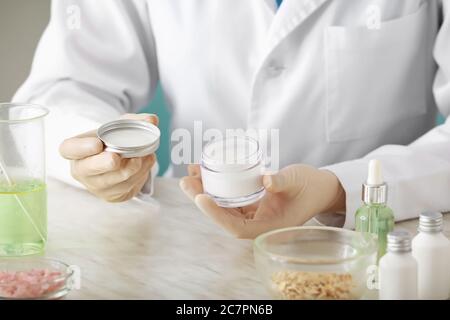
(29, 284)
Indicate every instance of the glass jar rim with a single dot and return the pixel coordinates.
(258, 245)
(213, 164)
(9, 105)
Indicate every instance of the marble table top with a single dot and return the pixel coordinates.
(164, 250)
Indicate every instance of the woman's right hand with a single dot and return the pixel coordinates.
(107, 175)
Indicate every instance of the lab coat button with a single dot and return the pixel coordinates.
(274, 70)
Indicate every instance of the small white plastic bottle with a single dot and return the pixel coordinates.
(398, 269)
(432, 252)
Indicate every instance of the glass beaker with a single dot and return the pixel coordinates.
(23, 195)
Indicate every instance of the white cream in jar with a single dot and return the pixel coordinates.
(232, 170)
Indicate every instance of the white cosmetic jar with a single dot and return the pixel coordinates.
(232, 170)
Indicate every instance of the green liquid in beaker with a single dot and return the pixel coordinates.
(18, 235)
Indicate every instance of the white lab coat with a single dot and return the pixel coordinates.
(339, 91)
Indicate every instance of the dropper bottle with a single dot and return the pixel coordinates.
(375, 216)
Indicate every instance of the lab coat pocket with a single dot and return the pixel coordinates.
(375, 78)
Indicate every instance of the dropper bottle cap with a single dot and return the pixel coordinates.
(375, 189)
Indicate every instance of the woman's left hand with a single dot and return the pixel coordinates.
(293, 196)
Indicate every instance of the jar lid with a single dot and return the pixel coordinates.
(231, 154)
(130, 138)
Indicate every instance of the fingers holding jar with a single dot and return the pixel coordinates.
(246, 203)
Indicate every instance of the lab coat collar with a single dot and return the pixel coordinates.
(288, 17)
(271, 4)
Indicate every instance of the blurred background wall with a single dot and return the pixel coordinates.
(21, 25)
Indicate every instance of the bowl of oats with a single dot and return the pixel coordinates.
(316, 263)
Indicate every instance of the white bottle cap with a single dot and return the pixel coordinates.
(399, 241)
(374, 190)
(374, 176)
(431, 222)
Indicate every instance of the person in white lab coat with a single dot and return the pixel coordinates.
(344, 81)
